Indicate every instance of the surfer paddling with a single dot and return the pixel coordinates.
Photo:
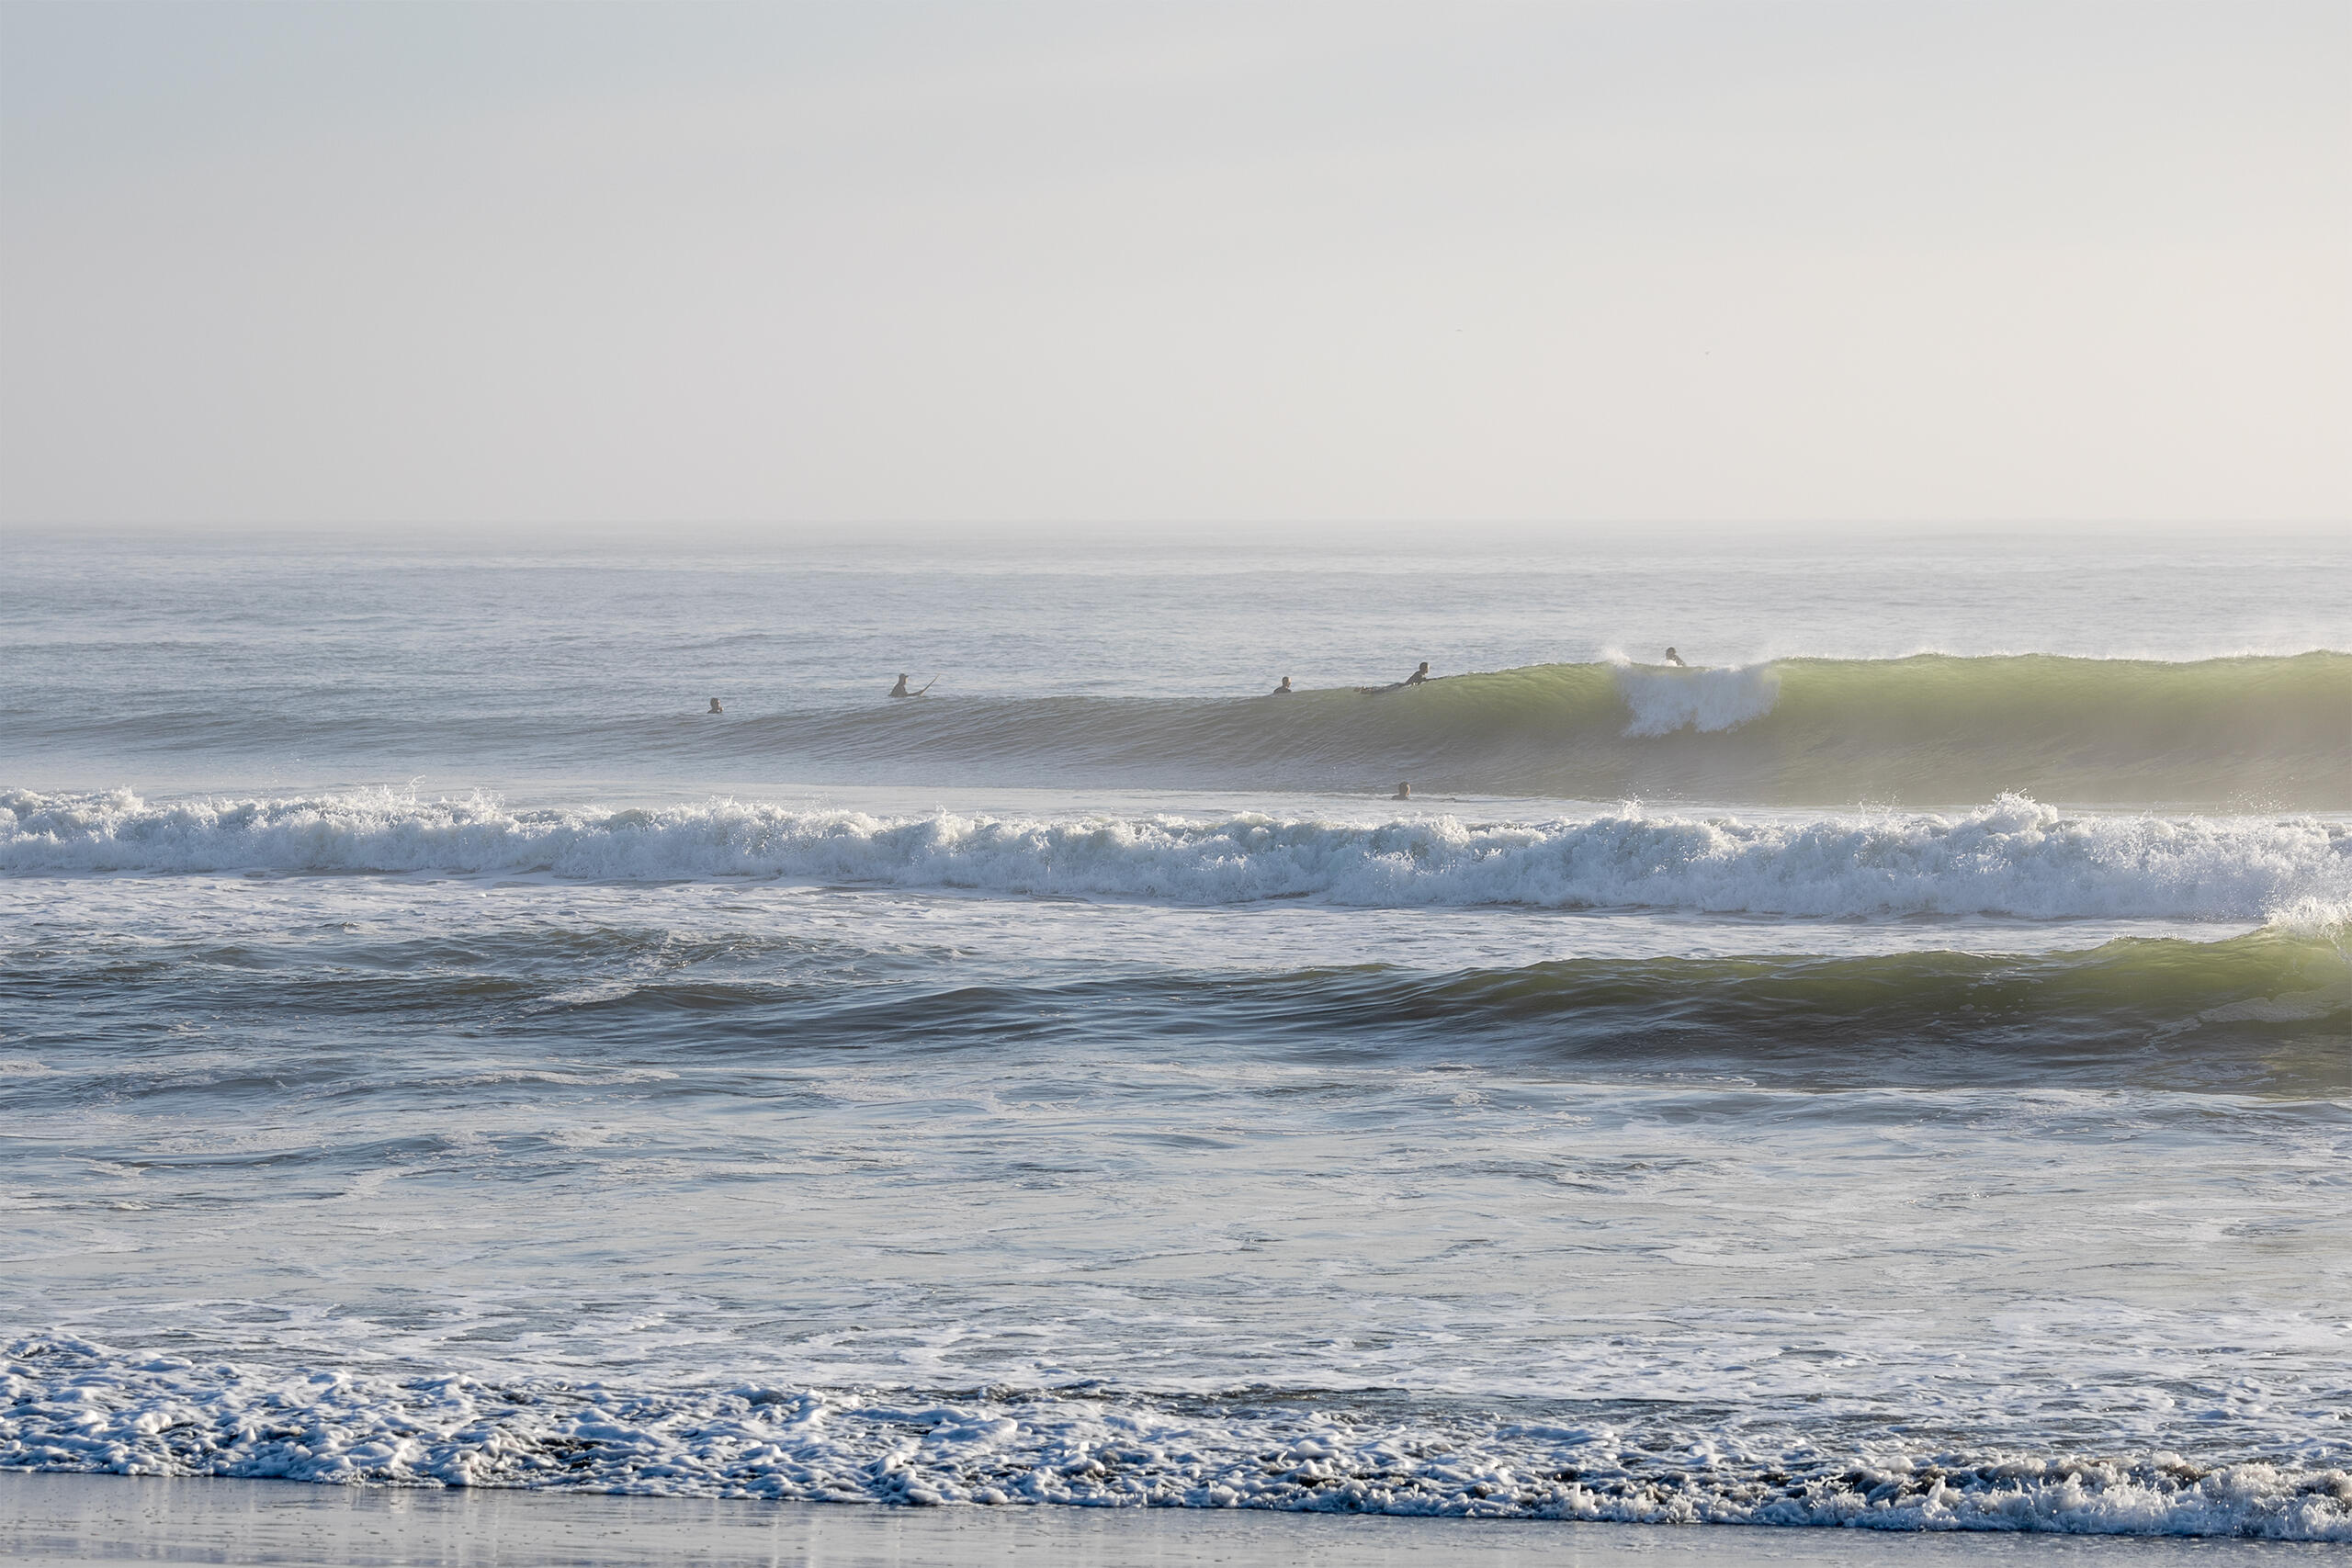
(1417, 678)
(900, 689)
(1676, 660)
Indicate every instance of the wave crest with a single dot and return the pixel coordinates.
(76, 1405)
(2015, 857)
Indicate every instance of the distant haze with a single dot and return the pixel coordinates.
(1129, 264)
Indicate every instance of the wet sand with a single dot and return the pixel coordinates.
(53, 1518)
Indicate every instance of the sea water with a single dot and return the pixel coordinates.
(1896, 1072)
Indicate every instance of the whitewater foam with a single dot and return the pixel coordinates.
(1662, 701)
(2015, 857)
(78, 1405)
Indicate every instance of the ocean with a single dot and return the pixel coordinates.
(1895, 1072)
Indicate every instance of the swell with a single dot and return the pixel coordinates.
(2267, 1012)
(2015, 857)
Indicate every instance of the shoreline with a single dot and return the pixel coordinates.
(57, 1517)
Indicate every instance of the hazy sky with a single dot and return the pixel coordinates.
(1652, 259)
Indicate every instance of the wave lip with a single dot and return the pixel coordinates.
(76, 1406)
(2013, 858)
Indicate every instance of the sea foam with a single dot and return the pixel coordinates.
(1662, 701)
(76, 1406)
(2015, 857)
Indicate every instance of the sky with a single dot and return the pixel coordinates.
(1121, 266)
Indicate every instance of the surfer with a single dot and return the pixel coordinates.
(1403, 791)
(1415, 679)
(715, 708)
(900, 689)
(1283, 690)
(1676, 660)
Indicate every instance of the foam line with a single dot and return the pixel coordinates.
(2015, 857)
(78, 1405)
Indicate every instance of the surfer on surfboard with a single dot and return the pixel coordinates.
(1415, 679)
(1676, 660)
(900, 689)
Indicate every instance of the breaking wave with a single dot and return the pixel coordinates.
(2265, 733)
(2015, 858)
(1930, 732)
(1662, 701)
(76, 1405)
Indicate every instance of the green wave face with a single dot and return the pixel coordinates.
(2255, 732)
(2268, 1012)
(1930, 730)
